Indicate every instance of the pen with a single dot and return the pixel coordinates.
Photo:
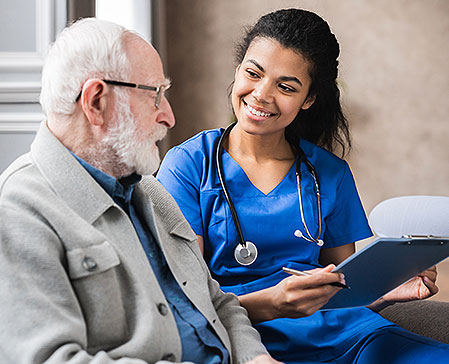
(301, 273)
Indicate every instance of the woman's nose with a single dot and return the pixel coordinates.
(263, 92)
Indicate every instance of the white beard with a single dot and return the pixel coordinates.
(133, 155)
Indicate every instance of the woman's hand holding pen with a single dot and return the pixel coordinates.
(300, 296)
(418, 288)
(293, 297)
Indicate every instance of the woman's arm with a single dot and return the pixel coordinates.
(336, 255)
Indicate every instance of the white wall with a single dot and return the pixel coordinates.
(132, 14)
(26, 29)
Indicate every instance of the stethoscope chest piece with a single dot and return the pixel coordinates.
(245, 255)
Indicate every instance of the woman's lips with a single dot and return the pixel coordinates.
(257, 113)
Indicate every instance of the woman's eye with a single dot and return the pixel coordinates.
(252, 74)
(286, 88)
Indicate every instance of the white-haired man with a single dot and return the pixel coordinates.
(98, 265)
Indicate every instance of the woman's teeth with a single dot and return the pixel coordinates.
(256, 112)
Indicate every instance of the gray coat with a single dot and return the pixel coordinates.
(75, 283)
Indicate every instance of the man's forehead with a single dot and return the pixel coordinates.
(145, 61)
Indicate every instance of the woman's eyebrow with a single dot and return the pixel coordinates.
(290, 78)
(254, 62)
(282, 78)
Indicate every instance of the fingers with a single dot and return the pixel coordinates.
(304, 295)
(328, 268)
(306, 302)
(321, 276)
(430, 273)
(431, 286)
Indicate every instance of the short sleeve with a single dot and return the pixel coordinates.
(347, 222)
(180, 175)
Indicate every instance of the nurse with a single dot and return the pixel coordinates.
(294, 201)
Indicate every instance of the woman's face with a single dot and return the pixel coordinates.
(271, 85)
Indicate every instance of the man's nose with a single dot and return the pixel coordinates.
(166, 115)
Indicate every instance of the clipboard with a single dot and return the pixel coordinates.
(383, 265)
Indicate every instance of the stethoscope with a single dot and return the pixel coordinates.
(245, 253)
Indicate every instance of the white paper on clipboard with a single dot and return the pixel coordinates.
(383, 265)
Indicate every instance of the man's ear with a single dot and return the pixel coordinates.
(308, 102)
(94, 101)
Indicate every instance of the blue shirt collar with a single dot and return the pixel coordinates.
(121, 189)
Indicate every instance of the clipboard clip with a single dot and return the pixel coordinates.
(424, 237)
(442, 239)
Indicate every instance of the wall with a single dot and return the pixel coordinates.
(26, 29)
(394, 77)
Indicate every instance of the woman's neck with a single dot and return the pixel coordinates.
(259, 148)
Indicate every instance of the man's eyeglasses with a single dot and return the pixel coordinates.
(160, 90)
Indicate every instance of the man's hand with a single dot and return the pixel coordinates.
(418, 288)
(263, 359)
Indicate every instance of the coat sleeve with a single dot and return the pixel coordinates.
(245, 340)
(41, 318)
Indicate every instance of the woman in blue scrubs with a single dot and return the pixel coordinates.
(286, 102)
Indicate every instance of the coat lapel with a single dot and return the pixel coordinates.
(86, 197)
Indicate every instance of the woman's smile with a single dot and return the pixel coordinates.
(257, 113)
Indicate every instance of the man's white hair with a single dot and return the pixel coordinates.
(89, 48)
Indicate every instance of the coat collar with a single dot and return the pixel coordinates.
(67, 177)
(166, 210)
(87, 198)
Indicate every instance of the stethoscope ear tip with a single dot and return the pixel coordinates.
(298, 233)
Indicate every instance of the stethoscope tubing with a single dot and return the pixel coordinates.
(219, 163)
(301, 158)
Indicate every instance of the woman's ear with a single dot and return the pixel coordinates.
(308, 102)
(94, 101)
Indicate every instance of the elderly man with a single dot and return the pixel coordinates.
(96, 264)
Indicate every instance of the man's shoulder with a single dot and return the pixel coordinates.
(17, 175)
(15, 167)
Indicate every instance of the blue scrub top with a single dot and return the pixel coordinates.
(189, 173)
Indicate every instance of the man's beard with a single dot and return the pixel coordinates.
(122, 139)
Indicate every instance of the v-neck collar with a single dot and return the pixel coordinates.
(235, 168)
